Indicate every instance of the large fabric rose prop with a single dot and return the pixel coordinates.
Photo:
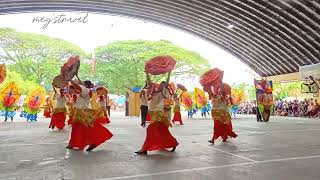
(213, 77)
(160, 65)
(70, 68)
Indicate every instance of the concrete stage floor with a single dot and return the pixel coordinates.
(285, 149)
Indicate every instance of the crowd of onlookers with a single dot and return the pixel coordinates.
(247, 108)
(306, 108)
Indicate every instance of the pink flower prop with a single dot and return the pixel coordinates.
(70, 68)
(213, 77)
(160, 65)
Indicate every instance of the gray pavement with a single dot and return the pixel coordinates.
(285, 148)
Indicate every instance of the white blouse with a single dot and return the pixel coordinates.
(102, 103)
(156, 103)
(61, 100)
(83, 101)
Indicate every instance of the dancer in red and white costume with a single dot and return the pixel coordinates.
(158, 134)
(59, 113)
(86, 128)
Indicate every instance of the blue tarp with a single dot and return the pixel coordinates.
(136, 89)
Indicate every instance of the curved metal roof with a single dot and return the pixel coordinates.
(271, 36)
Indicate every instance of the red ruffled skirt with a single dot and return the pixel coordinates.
(177, 117)
(47, 113)
(158, 137)
(82, 135)
(148, 118)
(58, 120)
(223, 130)
(104, 120)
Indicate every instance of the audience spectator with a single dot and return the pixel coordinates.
(307, 108)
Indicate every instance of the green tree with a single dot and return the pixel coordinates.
(36, 57)
(121, 64)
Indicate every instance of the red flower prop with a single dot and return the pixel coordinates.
(160, 65)
(207, 88)
(33, 104)
(8, 101)
(213, 77)
(70, 68)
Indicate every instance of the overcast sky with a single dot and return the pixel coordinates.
(102, 29)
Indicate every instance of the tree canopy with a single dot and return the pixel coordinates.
(35, 57)
(121, 64)
(38, 58)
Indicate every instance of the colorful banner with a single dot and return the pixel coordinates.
(10, 89)
(200, 97)
(38, 95)
(9, 96)
(264, 90)
(237, 95)
(264, 97)
(186, 100)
